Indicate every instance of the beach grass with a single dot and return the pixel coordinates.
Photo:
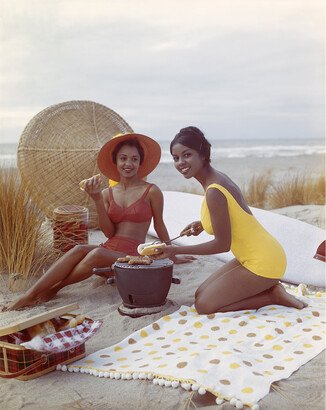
(296, 189)
(25, 236)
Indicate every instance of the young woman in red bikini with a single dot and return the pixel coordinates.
(124, 213)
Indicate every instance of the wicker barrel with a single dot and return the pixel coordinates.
(70, 226)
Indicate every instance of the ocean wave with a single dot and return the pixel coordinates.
(263, 151)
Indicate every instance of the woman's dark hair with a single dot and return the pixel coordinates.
(193, 138)
(132, 142)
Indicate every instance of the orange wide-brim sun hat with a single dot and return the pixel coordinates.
(152, 155)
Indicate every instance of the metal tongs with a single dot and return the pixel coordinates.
(190, 230)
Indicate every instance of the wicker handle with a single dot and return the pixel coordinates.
(42, 360)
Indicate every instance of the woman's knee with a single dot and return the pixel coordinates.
(81, 250)
(203, 307)
(96, 257)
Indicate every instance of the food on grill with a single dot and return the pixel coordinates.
(135, 260)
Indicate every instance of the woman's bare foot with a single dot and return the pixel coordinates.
(281, 297)
(21, 303)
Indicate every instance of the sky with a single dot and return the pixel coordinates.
(237, 69)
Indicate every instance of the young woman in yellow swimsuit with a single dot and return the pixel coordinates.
(251, 280)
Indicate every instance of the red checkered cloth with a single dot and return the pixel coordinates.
(64, 340)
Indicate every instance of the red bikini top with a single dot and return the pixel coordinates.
(139, 211)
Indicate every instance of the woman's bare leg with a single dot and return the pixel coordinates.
(96, 258)
(237, 289)
(57, 273)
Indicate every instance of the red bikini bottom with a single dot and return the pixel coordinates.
(122, 244)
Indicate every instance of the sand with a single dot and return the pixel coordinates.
(98, 300)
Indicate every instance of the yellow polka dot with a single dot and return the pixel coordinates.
(288, 359)
(226, 320)
(287, 324)
(247, 390)
(268, 372)
(260, 327)
(204, 337)
(281, 316)
(148, 344)
(170, 332)
(153, 352)
(202, 371)
(162, 365)
(272, 308)
(125, 366)
(89, 361)
(157, 358)
(176, 340)
(194, 354)
(269, 337)
(211, 345)
(307, 345)
(198, 325)
(233, 332)
(192, 310)
(143, 333)
(277, 347)
(252, 317)
(122, 359)
(227, 352)
(117, 348)
(234, 365)
(182, 349)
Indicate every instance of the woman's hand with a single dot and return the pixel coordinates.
(93, 188)
(168, 252)
(193, 229)
(183, 259)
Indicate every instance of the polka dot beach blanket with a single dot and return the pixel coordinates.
(235, 355)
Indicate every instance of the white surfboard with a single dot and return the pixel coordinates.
(299, 239)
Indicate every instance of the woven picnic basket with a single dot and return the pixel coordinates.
(21, 363)
(58, 148)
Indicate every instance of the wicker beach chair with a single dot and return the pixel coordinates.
(58, 148)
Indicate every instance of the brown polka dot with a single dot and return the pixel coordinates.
(108, 364)
(105, 355)
(214, 361)
(287, 341)
(247, 363)
(257, 374)
(111, 370)
(131, 341)
(243, 323)
(136, 351)
(180, 365)
(236, 316)
(222, 339)
(279, 331)
(268, 356)
(160, 338)
(298, 352)
(278, 367)
(188, 333)
(306, 330)
(155, 326)
(271, 321)
(316, 337)
(315, 314)
(144, 365)
(258, 345)
(211, 316)
(225, 382)
(299, 320)
(165, 346)
(183, 313)
(169, 353)
(194, 343)
(182, 321)
(251, 335)
(237, 350)
(215, 328)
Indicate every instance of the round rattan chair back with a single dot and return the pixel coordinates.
(58, 148)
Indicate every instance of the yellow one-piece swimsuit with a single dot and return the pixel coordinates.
(255, 248)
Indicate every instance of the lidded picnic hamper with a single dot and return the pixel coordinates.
(19, 362)
(58, 148)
